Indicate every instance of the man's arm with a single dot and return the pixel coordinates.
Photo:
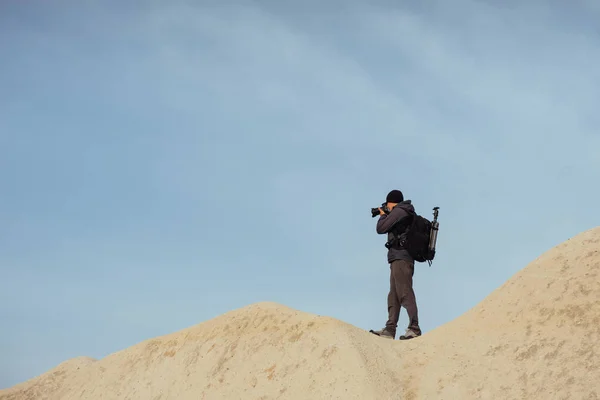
(386, 222)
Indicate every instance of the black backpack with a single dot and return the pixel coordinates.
(418, 234)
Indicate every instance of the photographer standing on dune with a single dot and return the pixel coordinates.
(394, 220)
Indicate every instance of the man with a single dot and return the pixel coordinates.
(402, 266)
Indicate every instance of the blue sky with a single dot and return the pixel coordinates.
(164, 163)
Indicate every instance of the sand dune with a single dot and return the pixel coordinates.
(535, 337)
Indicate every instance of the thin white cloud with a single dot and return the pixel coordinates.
(258, 64)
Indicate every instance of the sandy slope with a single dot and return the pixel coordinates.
(535, 337)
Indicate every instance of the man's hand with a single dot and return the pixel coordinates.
(381, 211)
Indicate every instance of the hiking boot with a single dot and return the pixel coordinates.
(384, 333)
(410, 334)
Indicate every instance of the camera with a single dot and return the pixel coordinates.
(375, 211)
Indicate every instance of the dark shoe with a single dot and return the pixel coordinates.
(410, 334)
(384, 333)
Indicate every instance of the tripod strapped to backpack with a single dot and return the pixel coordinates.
(435, 225)
(421, 238)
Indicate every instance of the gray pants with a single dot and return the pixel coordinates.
(402, 295)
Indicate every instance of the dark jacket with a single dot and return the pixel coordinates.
(388, 221)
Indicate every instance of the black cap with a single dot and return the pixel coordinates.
(395, 196)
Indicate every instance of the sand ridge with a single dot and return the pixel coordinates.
(534, 337)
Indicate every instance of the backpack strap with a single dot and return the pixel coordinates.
(395, 242)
